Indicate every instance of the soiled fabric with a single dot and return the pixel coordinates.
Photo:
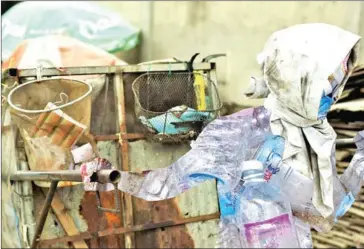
(297, 63)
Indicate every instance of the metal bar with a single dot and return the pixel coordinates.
(102, 176)
(59, 175)
(44, 213)
(126, 198)
(345, 141)
(25, 188)
(136, 228)
(213, 77)
(128, 136)
(110, 210)
(67, 71)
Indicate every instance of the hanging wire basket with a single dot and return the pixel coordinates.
(174, 107)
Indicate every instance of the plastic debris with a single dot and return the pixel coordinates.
(264, 214)
(172, 122)
(85, 21)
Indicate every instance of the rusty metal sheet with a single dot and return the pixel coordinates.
(134, 228)
(99, 221)
(169, 237)
(201, 200)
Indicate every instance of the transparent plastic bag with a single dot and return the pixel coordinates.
(85, 21)
(229, 236)
(304, 233)
(45, 154)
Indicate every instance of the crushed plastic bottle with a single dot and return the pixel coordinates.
(264, 213)
(291, 182)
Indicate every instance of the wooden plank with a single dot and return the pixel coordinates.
(66, 221)
(67, 71)
(127, 205)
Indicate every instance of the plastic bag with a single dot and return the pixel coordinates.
(44, 154)
(85, 21)
(304, 233)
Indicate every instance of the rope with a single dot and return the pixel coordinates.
(51, 109)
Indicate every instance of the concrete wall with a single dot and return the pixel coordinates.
(240, 29)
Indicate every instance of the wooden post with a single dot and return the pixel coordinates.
(127, 206)
(66, 221)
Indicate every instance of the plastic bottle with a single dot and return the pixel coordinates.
(264, 214)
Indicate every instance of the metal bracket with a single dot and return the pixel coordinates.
(39, 72)
(213, 56)
(110, 210)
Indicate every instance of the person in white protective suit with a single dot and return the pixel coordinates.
(305, 68)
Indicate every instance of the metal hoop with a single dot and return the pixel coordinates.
(52, 109)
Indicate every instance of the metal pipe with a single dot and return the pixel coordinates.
(102, 176)
(59, 175)
(44, 212)
(108, 176)
(345, 141)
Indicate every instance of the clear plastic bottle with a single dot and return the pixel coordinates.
(264, 213)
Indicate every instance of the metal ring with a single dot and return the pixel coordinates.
(52, 109)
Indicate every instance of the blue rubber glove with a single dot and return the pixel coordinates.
(325, 105)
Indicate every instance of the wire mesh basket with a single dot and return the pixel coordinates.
(174, 107)
(52, 115)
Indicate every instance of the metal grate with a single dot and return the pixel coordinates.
(174, 107)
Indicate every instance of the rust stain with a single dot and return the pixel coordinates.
(169, 237)
(136, 228)
(104, 220)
